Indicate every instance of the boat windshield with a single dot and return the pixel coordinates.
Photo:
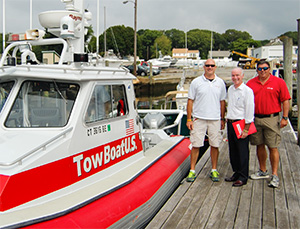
(42, 104)
(5, 89)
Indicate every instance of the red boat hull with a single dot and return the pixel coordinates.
(131, 202)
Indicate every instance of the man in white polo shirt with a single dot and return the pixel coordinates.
(205, 114)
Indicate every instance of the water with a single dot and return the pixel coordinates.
(152, 96)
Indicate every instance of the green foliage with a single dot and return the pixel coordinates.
(118, 38)
(147, 45)
(232, 35)
(241, 45)
(164, 44)
(293, 35)
(177, 38)
(199, 40)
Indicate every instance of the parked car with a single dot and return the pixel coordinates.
(140, 70)
(155, 69)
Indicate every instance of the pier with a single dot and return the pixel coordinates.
(207, 204)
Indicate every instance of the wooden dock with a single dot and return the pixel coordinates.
(207, 204)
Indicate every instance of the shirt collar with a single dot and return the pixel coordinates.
(204, 78)
(240, 87)
(271, 78)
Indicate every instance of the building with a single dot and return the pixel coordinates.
(219, 55)
(272, 50)
(184, 53)
(50, 57)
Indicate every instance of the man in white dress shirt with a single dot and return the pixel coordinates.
(240, 106)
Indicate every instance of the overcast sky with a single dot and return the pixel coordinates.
(262, 19)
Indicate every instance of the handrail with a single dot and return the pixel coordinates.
(175, 123)
(19, 160)
(37, 42)
(170, 94)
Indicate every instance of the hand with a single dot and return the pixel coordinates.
(283, 123)
(190, 125)
(244, 134)
(222, 124)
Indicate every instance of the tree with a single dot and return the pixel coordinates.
(199, 40)
(241, 46)
(90, 40)
(219, 42)
(118, 38)
(147, 47)
(177, 38)
(164, 44)
(293, 35)
(232, 35)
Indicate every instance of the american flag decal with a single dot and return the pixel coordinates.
(129, 126)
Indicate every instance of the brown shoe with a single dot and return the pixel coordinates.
(239, 183)
(231, 179)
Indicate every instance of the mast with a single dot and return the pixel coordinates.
(97, 38)
(105, 53)
(30, 20)
(3, 23)
(211, 42)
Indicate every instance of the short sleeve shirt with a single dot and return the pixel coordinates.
(268, 97)
(206, 96)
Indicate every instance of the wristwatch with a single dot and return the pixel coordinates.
(285, 118)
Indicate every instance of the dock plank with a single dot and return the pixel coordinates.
(207, 204)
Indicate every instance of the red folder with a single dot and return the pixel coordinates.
(239, 126)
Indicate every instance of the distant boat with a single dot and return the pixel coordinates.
(160, 63)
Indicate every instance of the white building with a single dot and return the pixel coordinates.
(184, 53)
(273, 50)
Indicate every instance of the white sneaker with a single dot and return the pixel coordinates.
(260, 175)
(274, 183)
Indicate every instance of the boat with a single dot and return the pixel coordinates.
(161, 61)
(74, 152)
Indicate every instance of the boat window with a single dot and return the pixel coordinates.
(5, 89)
(107, 101)
(42, 104)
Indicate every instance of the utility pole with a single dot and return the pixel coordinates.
(287, 59)
(134, 39)
(298, 82)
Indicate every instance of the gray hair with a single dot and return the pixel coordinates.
(238, 68)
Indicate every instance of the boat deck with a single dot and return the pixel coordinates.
(207, 204)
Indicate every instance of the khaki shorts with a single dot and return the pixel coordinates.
(201, 126)
(268, 132)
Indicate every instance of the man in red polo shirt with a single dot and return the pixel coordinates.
(270, 94)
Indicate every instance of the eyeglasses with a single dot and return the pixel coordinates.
(264, 68)
(210, 65)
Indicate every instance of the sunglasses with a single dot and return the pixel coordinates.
(264, 68)
(210, 65)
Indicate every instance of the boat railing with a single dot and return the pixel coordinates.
(177, 121)
(42, 146)
(52, 41)
(171, 98)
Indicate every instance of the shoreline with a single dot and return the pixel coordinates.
(173, 76)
